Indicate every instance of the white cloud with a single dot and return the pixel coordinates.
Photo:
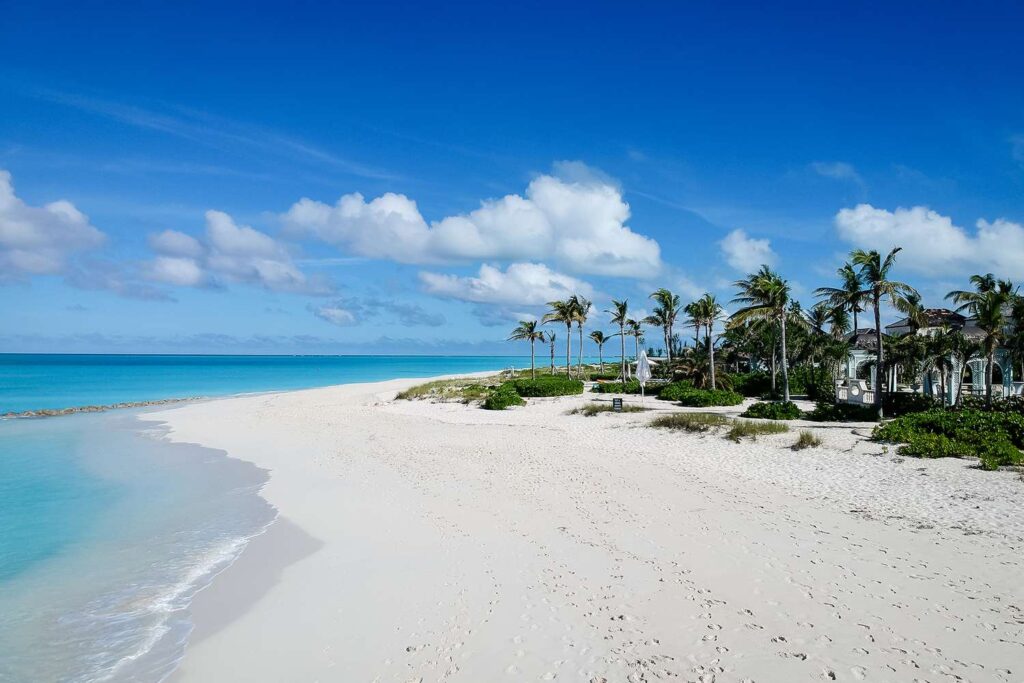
(40, 240)
(837, 170)
(228, 253)
(174, 243)
(520, 283)
(336, 315)
(745, 253)
(932, 243)
(577, 219)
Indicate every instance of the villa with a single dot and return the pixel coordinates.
(858, 384)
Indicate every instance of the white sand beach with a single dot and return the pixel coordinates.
(440, 542)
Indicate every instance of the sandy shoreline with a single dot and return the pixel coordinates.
(421, 541)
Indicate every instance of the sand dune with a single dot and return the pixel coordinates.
(440, 542)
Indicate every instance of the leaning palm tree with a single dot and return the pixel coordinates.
(849, 295)
(667, 309)
(597, 336)
(527, 331)
(562, 312)
(620, 314)
(764, 295)
(659, 318)
(874, 274)
(581, 311)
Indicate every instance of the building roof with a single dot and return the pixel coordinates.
(935, 317)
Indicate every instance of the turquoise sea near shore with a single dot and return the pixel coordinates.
(108, 529)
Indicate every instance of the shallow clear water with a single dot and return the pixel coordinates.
(108, 532)
(55, 381)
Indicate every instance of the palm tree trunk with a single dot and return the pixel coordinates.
(568, 350)
(579, 364)
(785, 363)
(533, 358)
(880, 364)
(775, 358)
(991, 359)
(622, 356)
(552, 357)
(854, 320)
(711, 356)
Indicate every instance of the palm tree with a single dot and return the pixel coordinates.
(581, 310)
(910, 306)
(987, 305)
(562, 312)
(849, 296)
(636, 331)
(665, 313)
(597, 336)
(765, 296)
(693, 317)
(874, 274)
(527, 331)
(962, 349)
(938, 358)
(620, 314)
(551, 340)
(707, 311)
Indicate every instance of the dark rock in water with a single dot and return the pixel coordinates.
(97, 409)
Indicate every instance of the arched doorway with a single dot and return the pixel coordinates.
(865, 371)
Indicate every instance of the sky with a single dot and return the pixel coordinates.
(415, 177)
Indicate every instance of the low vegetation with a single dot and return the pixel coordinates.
(690, 422)
(995, 438)
(773, 410)
(547, 386)
(460, 390)
(630, 387)
(593, 409)
(705, 398)
(674, 390)
(502, 397)
(806, 440)
(827, 411)
(748, 429)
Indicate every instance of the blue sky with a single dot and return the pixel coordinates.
(487, 156)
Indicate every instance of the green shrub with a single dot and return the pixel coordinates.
(674, 390)
(503, 397)
(826, 411)
(903, 403)
(995, 438)
(605, 376)
(773, 410)
(690, 422)
(806, 440)
(592, 409)
(746, 428)
(1010, 404)
(751, 383)
(547, 386)
(630, 387)
(704, 398)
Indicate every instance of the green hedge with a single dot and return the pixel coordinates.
(773, 410)
(630, 387)
(1010, 404)
(704, 398)
(995, 438)
(675, 390)
(903, 403)
(547, 386)
(751, 384)
(503, 397)
(826, 411)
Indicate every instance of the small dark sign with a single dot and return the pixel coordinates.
(617, 405)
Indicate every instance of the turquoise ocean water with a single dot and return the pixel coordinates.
(106, 529)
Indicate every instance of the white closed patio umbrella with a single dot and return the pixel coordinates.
(643, 372)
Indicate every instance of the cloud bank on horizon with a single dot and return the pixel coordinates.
(522, 250)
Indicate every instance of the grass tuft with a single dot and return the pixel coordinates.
(752, 429)
(690, 422)
(592, 409)
(806, 440)
(462, 390)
